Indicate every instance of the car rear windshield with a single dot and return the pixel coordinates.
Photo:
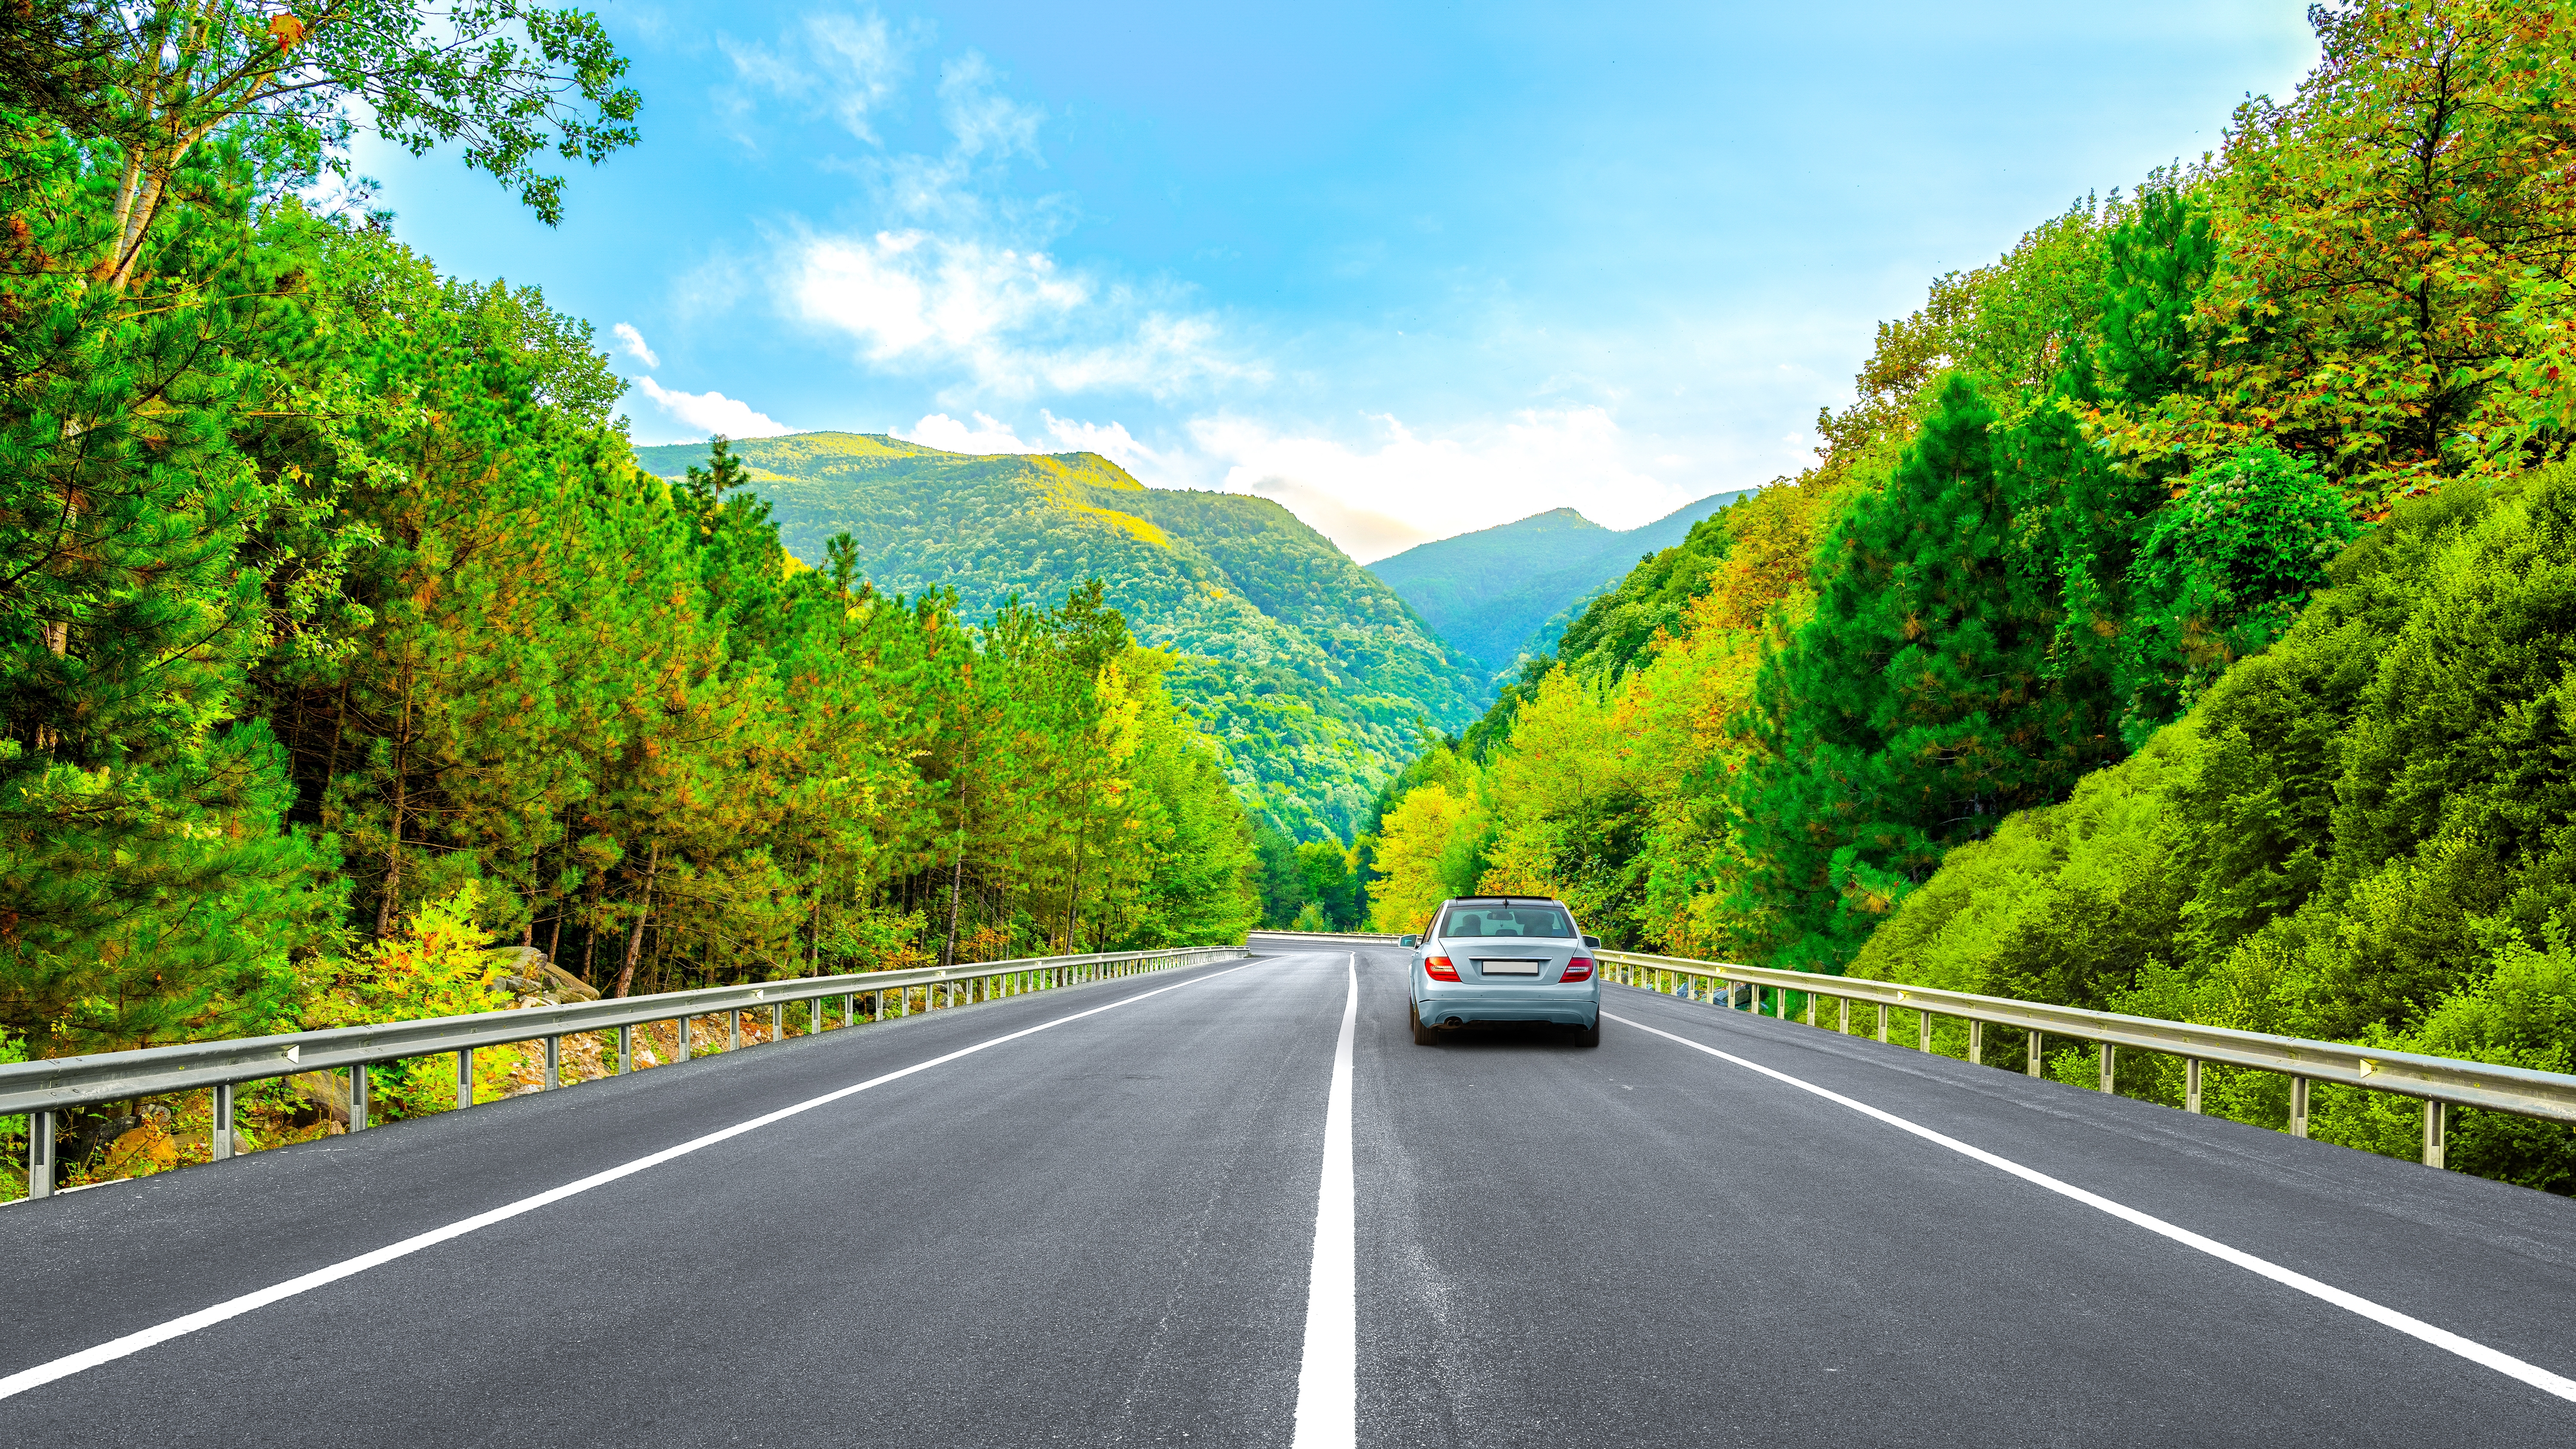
(1529, 920)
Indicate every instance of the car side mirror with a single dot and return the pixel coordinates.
(1408, 942)
(1592, 942)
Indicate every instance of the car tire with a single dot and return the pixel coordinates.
(1588, 1036)
(1422, 1035)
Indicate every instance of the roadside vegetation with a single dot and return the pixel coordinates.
(2179, 621)
(345, 641)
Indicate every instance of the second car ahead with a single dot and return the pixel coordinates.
(1503, 959)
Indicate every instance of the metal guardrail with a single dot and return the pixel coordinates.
(40, 1089)
(1363, 937)
(2437, 1081)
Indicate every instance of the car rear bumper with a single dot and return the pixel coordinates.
(1562, 1005)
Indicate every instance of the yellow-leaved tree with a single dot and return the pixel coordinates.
(1426, 850)
(437, 965)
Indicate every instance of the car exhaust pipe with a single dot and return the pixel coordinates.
(1453, 1021)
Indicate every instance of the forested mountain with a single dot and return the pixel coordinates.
(2176, 622)
(1314, 674)
(1494, 593)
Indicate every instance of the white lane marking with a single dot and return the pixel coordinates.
(2441, 1338)
(1328, 1382)
(132, 1343)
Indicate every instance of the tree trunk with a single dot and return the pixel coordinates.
(1073, 900)
(635, 938)
(388, 908)
(956, 876)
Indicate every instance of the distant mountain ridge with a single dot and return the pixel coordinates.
(1492, 593)
(1312, 671)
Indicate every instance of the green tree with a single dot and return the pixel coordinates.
(149, 889)
(1914, 710)
(507, 79)
(2377, 232)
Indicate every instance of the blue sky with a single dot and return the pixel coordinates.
(1411, 270)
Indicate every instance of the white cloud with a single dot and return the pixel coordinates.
(987, 434)
(846, 66)
(956, 281)
(631, 342)
(984, 122)
(713, 412)
(1408, 489)
(1012, 320)
(1111, 441)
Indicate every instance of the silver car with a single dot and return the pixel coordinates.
(1503, 959)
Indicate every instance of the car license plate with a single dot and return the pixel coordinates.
(1510, 968)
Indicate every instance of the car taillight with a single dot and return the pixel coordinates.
(1578, 969)
(1439, 969)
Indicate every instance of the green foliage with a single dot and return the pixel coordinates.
(2358, 834)
(1494, 593)
(12, 1049)
(1318, 881)
(150, 891)
(2220, 573)
(2161, 258)
(1913, 711)
(1614, 632)
(508, 80)
(2376, 236)
(1312, 673)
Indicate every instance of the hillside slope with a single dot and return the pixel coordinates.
(1490, 592)
(1312, 671)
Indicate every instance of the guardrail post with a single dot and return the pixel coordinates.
(850, 1009)
(1922, 1031)
(733, 1030)
(358, 1087)
(778, 1021)
(2433, 1125)
(2298, 1106)
(554, 1063)
(1976, 1041)
(2110, 1068)
(2191, 1084)
(681, 1029)
(465, 1076)
(1811, 1008)
(1882, 1022)
(1842, 1014)
(40, 1153)
(814, 1026)
(625, 1050)
(2035, 1053)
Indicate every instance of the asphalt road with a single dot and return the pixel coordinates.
(1100, 1233)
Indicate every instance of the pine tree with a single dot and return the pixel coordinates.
(147, 890)
(1916, 707)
